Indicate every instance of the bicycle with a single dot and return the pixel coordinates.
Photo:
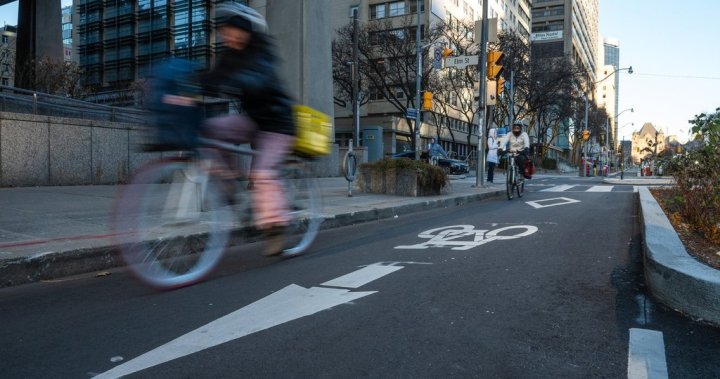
(514, 180)
(177, 215)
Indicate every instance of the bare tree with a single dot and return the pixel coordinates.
(387, 63)
(452, 88)
(543, 90)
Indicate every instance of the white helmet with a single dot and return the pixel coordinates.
(241, 16)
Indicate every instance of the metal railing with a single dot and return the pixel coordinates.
(37, 103)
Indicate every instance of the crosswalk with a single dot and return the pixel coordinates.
(589, 188)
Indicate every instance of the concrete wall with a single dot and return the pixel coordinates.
(49, 151)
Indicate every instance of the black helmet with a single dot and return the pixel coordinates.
(240, 16)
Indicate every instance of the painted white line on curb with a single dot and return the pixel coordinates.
(646, 355)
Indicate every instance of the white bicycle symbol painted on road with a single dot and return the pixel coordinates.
(465, 237)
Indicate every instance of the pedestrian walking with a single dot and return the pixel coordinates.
(492, 156)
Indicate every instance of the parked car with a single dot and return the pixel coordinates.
(451, 166)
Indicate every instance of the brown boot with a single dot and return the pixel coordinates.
(274, 241)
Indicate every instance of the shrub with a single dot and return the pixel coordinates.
(697, 174)
(428, 175)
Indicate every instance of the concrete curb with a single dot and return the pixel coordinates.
(74, 260)
(672, 275)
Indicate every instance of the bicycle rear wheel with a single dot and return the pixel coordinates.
(175, 221)
(305, 205)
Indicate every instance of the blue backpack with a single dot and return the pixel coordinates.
(176, 114)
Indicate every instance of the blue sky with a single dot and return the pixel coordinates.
(672, 47)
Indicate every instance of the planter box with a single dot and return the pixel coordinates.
(394, 181)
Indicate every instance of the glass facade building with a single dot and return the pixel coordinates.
(120, 40)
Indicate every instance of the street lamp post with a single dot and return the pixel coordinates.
(608, 146)
(585, 96)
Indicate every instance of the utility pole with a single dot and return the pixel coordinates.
(482, 70)
(418, 82)
(356, 80)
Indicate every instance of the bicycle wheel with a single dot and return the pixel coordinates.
(305, 204)
(509, 180)
(175, 221)
(520, 186)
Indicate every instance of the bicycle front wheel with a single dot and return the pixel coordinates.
(175, 221)
(509, 180)
(520, 185)
(305, 205)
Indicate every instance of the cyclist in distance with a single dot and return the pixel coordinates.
(519, 143)
(436, 150)
(246, 70)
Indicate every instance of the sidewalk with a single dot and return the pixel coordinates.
(53, 232)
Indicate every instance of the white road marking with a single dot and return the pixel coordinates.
(465, 237)
(636, 188)
(290, 303)
(646, 355)
(361, 277)
(600, 189)
(551, 202)
(560, 188)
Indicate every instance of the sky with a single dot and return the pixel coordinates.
(671, 46)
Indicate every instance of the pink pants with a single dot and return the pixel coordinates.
(268, 195)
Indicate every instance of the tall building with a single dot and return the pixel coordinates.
(513, 15)
(67, 33)
(8, 43)
(611, 54)
(567, 28)
(378, 113)
(119, 40)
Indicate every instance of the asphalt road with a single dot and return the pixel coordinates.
(546, 286)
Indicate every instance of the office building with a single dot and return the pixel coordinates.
(120, 40)
(8, 45)
(67, 33)
(567, 28)
(454, 132)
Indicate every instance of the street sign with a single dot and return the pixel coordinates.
(462, 61)
(411, 113)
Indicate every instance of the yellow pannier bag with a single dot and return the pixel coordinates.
(314, 131)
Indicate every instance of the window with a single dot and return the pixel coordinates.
(396, 8)
(354, 9)
(377, 11)
(5, 39)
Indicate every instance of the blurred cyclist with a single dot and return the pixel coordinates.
(246, 69)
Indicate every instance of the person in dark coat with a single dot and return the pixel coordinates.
(246, 70)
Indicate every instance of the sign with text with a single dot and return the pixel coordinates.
(461, 61)
(546, 36)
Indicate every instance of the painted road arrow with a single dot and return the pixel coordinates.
(290, 303)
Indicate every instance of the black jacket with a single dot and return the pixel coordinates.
(250, 75)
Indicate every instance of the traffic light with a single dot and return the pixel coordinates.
(494, 64)
(585, 135)
(447, 52)
(500, 86)
(427, 101)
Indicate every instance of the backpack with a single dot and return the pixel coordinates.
(176, 115)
